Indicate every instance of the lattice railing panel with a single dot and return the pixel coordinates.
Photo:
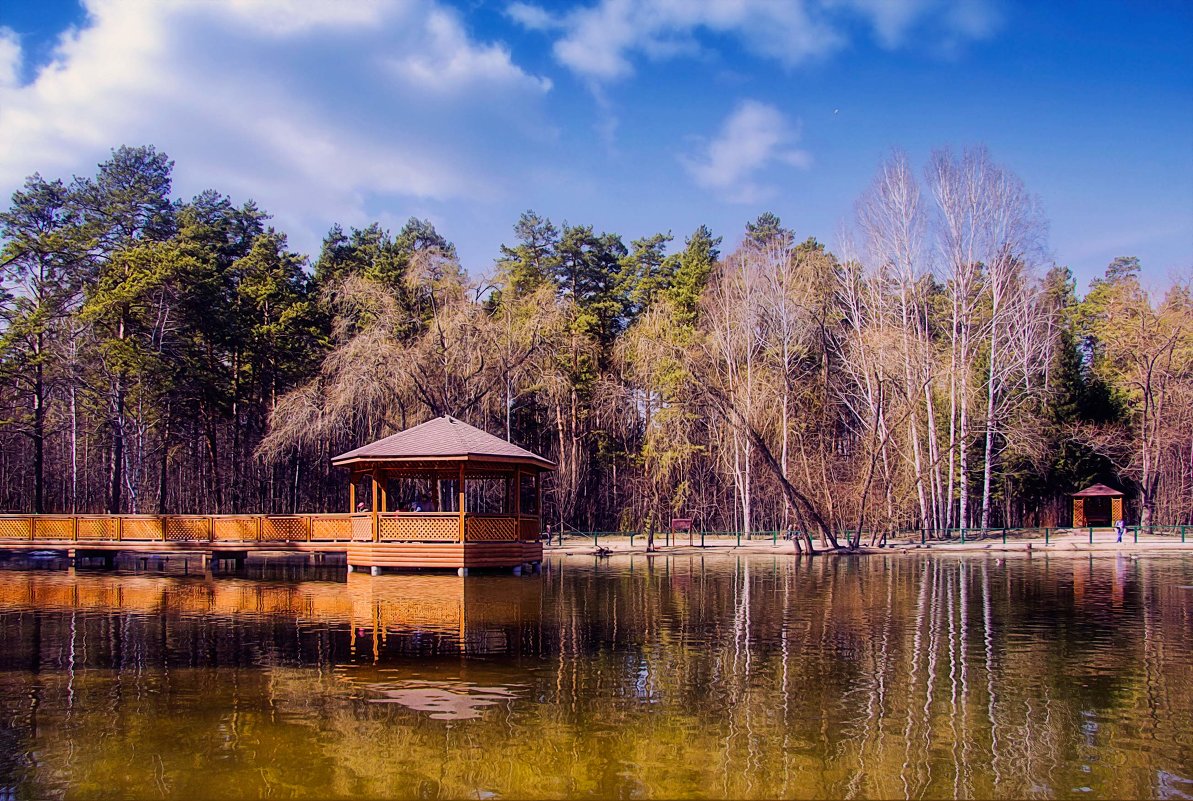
(420, 528)
(53, 528)
(188, 529)
(97, 528)
(235, 529)
(331, 528)
(362, 528)
(135, 528)
(16, 528)
(491, 529)
(284, 529)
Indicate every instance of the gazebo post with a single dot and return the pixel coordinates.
(538, 507)
(461, 501)
(352, 478)
(376, 522)
(516, 501)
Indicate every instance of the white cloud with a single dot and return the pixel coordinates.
(754, 139)
(531, 17)
(10, 57)
(450, 62)
(314, 108)
(600, 41)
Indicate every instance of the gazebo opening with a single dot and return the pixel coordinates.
(1097, 505)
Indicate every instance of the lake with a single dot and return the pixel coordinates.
(890, 676)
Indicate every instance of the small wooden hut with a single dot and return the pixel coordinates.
(1097, 505)
(446, 494)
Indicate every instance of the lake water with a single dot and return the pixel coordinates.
(754, 677)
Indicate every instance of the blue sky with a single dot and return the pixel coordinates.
(657, 115)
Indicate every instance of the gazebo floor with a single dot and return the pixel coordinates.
(360, 555)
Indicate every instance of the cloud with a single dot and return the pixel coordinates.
(531, 17)
(450, 62)
(317, 109)
(10, 57)
(756, 137)
(600, 41)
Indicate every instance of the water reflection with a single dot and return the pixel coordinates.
(901, 676)
(442, 700)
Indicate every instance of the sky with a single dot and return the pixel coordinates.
(633, 117)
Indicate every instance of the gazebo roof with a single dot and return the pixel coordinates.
(1098, 491)
(444, 438)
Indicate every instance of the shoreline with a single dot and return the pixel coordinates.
(1062, 545)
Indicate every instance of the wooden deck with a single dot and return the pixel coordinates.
(385, 539)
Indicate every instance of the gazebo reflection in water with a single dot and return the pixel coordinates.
(426, 614)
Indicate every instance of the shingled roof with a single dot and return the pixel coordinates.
(442, 438)
(1097, 491)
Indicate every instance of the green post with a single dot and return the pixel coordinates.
(701, 538)
(1045, 535)
(668, 538)
(774, 540)
(631, 540)
(1004, 535)
(596, 535)
(923, 536)
(962, 536)
(1136, 535)
(1091, 535)
(1182, 534)
(739, 538)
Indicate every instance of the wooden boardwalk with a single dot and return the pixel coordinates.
(374, 540)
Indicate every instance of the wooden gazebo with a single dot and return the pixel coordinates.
(1097, 505)
(444, 494)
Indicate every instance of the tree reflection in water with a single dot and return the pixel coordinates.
(879, 676)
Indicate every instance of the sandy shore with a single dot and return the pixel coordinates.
(1061, 543)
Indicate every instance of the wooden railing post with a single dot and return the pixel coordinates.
(119, 528)
(376, 519)
(74, 528)
(260, 525)
(461, 492)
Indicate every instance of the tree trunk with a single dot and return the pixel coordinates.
(116, 471)
(39, 433)
(164, 465)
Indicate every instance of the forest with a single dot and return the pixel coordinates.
(939, 371)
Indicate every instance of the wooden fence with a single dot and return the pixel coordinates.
(265, 529)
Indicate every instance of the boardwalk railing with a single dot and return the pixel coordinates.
(264, 529)
(927, 538)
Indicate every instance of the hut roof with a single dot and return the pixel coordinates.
(1098, 491)
(442, 438)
